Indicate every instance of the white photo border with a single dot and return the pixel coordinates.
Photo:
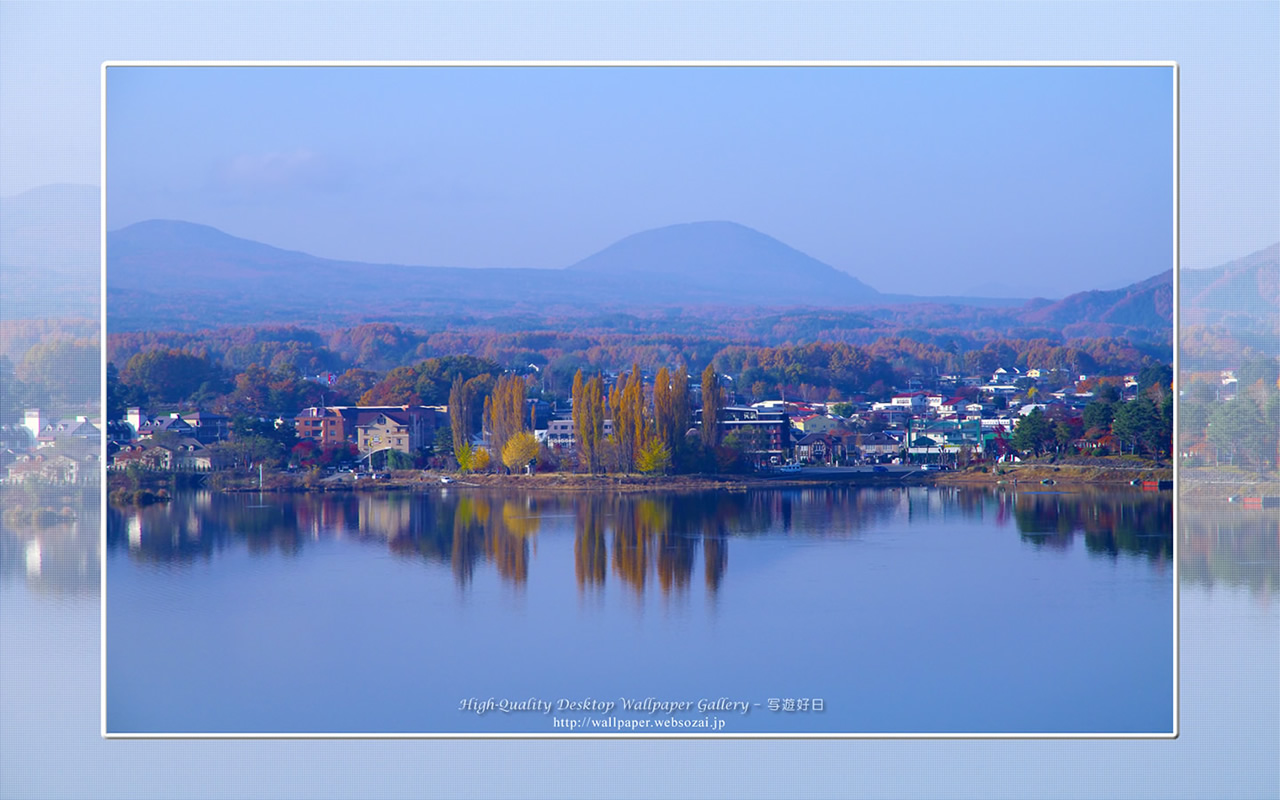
(106, 65)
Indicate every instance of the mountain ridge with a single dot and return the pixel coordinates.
(200, 271)
(721, 251)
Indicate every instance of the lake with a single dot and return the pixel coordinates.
(816, 610)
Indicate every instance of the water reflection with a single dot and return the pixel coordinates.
(49, 540)
(640, 540)
(1232, 547)
(1137, 523)
(59, 556)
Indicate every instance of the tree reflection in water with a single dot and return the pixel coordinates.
(590, 556)
(1135, 523)
(643, 539)
(1233, 547)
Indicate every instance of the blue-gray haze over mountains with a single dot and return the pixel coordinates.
(220, 278)
(725, 252)
(181, 274)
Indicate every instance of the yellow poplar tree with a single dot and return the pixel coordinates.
(712, 402)
(519, 450)
(627, 404)
(504, 411)
(654, 456)
(588, 420)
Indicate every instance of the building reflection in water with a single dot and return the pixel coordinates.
(50, 540)
(642, 540)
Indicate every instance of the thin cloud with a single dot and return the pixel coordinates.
(280, 171)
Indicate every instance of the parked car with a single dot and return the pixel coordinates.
(879, 468)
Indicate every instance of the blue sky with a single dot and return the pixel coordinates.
(1019, 181)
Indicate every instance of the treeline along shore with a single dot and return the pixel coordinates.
(159, 486)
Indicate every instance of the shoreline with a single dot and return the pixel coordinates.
(1198, 486)
(1071, 475)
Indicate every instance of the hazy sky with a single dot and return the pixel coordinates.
(923, 180)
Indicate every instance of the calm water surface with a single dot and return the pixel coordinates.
(900, 610)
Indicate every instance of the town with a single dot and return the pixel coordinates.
(623, 422)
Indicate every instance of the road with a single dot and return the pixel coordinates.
(893, 471)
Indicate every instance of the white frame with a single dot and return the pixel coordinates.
(106, 65)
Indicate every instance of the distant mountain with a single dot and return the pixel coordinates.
(1248, 286)
(1242, 295)
(173, 274)
(60, 193)
(49, 261)
(1146, 304)
(170, 236)
(728, 261)
(170, 272)
(172, 254)
(718, 263)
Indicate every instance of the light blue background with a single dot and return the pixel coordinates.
(1230, 59)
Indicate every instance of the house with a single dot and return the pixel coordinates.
(68, 462)
(1000, 390)
(74, 428)
(1059, 411)
(815, 448)
(889, 414)
(828, 447)
(952, 435)
(325, 425)
(183, 455)
(397, 430)
(16, 438)
(207, 427)
(844, 444)
(332, 425)
(44, 468)
(878, 444)
(814, 423)
(770, 405)
(189, 455)
(764, 436)
(560, 433)
(912, 401)
(146, 427)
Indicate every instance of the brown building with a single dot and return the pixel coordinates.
(404, 428)
(325, 425)
(398, 430)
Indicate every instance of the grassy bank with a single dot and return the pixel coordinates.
(1097, 473)
(1214, 484)
(401, 480)
(1120, 473)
